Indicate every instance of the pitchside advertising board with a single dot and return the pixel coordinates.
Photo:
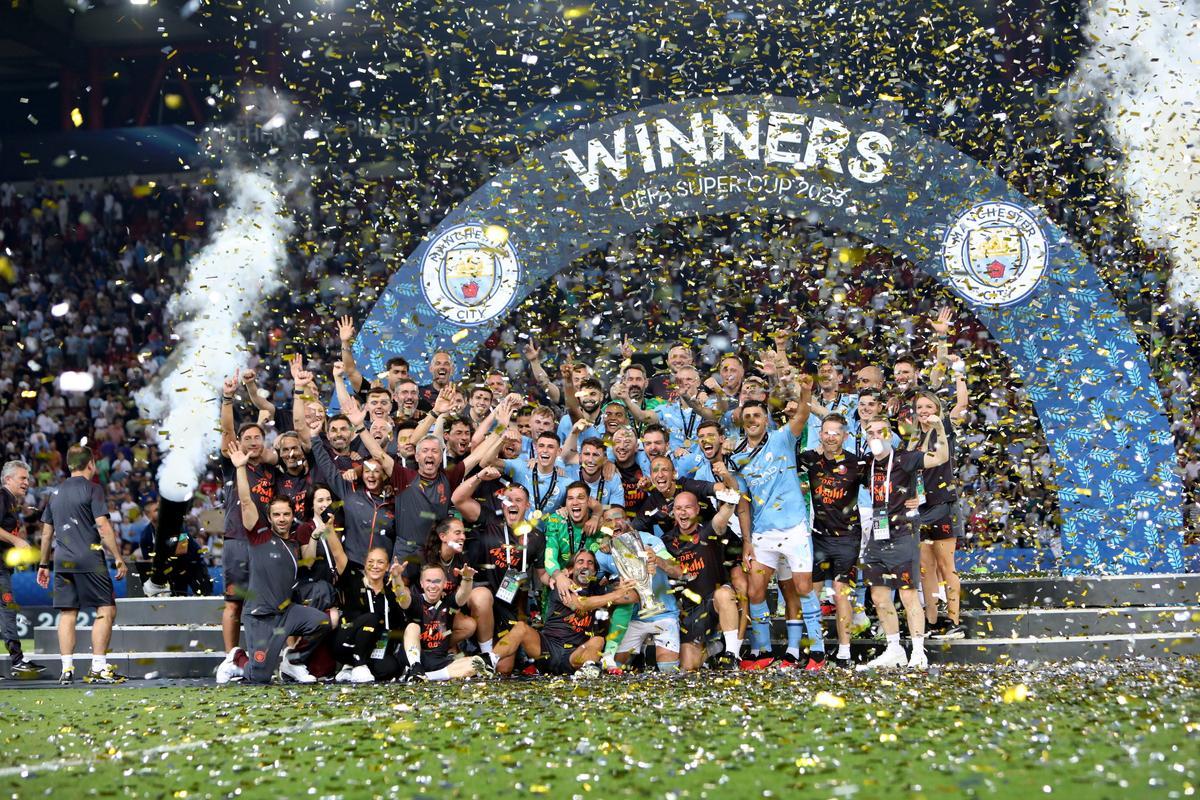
(854, 171)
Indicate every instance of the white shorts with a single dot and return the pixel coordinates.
(785, 551)
(664, 631)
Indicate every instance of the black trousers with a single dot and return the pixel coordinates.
(356, 638)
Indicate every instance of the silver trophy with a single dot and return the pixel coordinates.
(631, 556)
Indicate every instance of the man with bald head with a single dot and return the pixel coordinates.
(708, 603)
(869, 377)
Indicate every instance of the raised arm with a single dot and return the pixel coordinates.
(463, 497)
(534, 356)
(245, 499)
(486, 452)
(327, 470)
(940, 454)
(346, 337)
(465, 585)
(570, 448)
(301, 379)
(962, 395)
(228, 431)
(799, 420)
(572, 403)
(358, 418)
(265, 406)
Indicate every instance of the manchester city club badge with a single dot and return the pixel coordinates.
(994, 253)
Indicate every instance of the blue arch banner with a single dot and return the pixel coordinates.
(854, 171)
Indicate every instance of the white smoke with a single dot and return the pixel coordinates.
(227, 281)
(1143, 68)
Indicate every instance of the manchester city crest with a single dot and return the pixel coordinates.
(994, 253)
(470, 273)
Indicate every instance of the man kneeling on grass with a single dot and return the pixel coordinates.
(427, 637)
(568, 642)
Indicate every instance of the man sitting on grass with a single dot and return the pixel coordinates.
(568, 642)
(427, 636)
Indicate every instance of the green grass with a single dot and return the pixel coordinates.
(1127, 731)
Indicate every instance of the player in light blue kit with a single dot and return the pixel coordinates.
(765, 464)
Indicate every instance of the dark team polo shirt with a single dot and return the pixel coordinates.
(493, 549)
(834, 484)
(570, 628)
(420, 503)
(274, 567)
(903, 484)
(10, 518)
(356, 598)
(436, 621)
(262, 489)
(74, 506)
(297, 488)
(701, 556)
(633, 482)
(656, 508)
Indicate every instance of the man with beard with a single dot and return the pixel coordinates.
(458, 441)
(634, 382)
(407, 398)
(905, 384)
(441, 370)
(396, 367)
(829, 399)
(423, 494)
(235, 554)
(708, 602)
(582, 405)
(655, 513)
(368, 507)
(835, 478)
(625, 457)
(568, 642)
(765, 463)
(754, 389)
(496, 548)
(271, 616)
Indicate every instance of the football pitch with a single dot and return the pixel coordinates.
(1120, 730)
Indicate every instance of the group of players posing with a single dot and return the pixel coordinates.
(423, 521)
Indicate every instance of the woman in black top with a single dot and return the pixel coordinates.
(937, 496)
(318, 571)
(369, 640)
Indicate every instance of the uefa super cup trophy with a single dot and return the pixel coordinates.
(631, 558)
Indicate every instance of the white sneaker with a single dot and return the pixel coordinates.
(152, 589)
(608, 661)
(587, 672)
(918, 659)
(362, 674)
(298, 673)
(228, 669)
(893, 656)
(344, 674)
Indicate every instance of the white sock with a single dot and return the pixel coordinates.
(438, 675)
(893, 639)
(485, 647)
(918, 644)
(68, 662)
(99, 663)
(733, 644)
(843, 651)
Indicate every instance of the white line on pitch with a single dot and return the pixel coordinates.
(64, 763)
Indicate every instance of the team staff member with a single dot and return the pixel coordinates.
(708, 602)
(938, 518)
(891, 557)
(270, 614)
(368, 641)
(77, 517)
(835, 477)
(496, 547)
(568, 642)
(15, 481)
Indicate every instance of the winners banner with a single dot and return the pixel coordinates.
(853, 171)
